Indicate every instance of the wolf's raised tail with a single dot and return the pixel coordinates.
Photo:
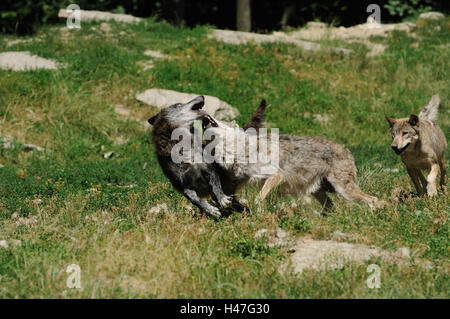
(430, 112)
(257, 117)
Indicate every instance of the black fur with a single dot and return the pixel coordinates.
(196, 181)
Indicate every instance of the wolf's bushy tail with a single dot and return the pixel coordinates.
(257, 117)
(430, 112)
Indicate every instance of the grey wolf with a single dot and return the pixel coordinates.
(307, 165)
(421, 144)
(196, 180)
(317, 166)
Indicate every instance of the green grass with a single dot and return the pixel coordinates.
(86, 216)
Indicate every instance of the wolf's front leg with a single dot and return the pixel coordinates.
(214, 182)
(415, 174)
(201, 203)
(431, 180)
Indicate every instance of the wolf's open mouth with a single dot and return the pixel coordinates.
(398, 151)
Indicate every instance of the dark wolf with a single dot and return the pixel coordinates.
(197, 181)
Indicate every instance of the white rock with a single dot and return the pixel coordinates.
(4, 244)
(91, 15)
(403, 252)
(314, 24)
(105, 27)
(162, 98)
(22, 221)
(156, 54)
(159, 208)
(338, 234)
(239, 37)
(108, 154)
(19, 41)
(126, 186)
(391, 170)
(432, 15)
(16, 242)
(279, 238)
(317, 213)
(120, 140)
(190, 209)
(32, 147)
(360, 33)
(321, 118)
(25, 61)
(329, 254)
(121, 110)
(281, 233)
(260, 233)
(146, 65)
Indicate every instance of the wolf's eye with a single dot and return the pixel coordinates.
(405, 133)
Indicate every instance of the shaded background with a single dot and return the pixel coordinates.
(24, 16)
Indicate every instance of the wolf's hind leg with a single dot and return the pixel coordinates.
(324, 200)
(348, 188)
(269, 184)
(202, 204)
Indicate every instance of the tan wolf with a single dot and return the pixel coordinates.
(421, 144)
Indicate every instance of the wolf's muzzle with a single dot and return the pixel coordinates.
(398, 151)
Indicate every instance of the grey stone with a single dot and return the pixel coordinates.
(239, 37)
(432, 15)
(25, 61)
(92, 15)
(162, 98)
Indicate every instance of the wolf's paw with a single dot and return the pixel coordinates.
(225, 201)
(214, 211)
(432, 193)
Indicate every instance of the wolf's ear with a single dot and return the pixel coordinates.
(197, 103)
(391, 121)
(413, 120)
(152, 120)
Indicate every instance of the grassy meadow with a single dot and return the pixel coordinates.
(70, 205)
